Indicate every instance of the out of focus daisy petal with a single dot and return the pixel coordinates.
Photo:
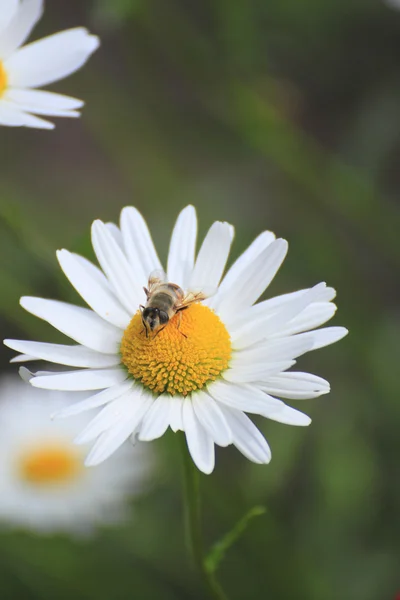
(8, 10)
(44, 484)
(20, 26)
(51, 58)
(43, 103)
(36, 64)
(11, 115)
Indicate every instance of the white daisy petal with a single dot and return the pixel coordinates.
(25, 374)
(80, 324)
(270, 307)
(8, 10)
(280, 349)
(296, 385)
(156, 420)
(51, 58)
(290, 310)
(212, 257)
(87, 379)
(324, 337)
(22, 358)
(109, 416)
(116, 267)
(182, 247)
(240, 266)
(248, 373)
(200, 444)
(20, 26)
(99, 399)
(95, 272)
(325, 294)
(246, 290)
(249, 328)
(116, 233)
(111, 440)
(43, 103)
(12, 116)
(246, 437)
(247, 257)
(138, 244)
(288, 415)
(72, 356)
(313, 316)
(95, 292)
(244, 397)
(211, 417)
(175, 413)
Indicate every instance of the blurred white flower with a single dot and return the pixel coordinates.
(210, 364)
(392, 3)
(44, 485)
(35, 65)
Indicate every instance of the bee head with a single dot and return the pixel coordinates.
(154, 318)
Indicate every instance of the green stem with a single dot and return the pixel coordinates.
(193, 523)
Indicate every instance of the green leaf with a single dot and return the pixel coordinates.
(218, 551)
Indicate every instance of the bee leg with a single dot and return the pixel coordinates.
(159, 332)
(144, 330)
(180, 321)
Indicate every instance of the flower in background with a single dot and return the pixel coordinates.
(44, 485)
(392, 3)
(209, 365)
(37, 64)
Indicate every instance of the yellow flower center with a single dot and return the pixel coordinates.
(192, 349)
(51, 463)
(3, 79)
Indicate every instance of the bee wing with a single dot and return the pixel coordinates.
(156, 277)
(196, 295)
(206, 290)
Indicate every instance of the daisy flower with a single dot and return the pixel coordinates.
(44, 485)
(37, 64)
(207, 366)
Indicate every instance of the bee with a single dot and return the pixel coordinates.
(164, 301)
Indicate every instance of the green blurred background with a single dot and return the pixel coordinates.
(271, 114)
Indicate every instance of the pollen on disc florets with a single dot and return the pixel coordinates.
(192, 350)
